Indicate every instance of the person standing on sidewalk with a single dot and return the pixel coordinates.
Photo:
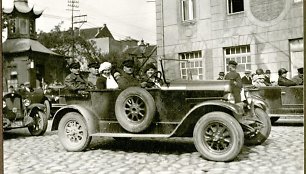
(235, 79)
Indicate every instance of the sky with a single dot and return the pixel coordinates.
(134, 18)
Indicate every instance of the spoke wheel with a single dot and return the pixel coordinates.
(135, 109)
(73, 132)
(218, 136)
(40, 123)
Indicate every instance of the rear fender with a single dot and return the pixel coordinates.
(90, 118)
(185, 128)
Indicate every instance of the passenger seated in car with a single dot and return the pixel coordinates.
(126, 78)
(151, 78)
(93, 73)
(106, 79)
(298, 79)
(259, 81)
(74, 81)
(282, 80)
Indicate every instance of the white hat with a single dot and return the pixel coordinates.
(104, 66)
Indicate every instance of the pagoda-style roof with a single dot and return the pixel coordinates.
(21, 6)
(23, 45)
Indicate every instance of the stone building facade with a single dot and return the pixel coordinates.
(197, 38)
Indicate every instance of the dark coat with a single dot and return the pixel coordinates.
(125, 80)
(283, 81)
(101, 82)
(233, 76)
(267, 81)
(75, 82)
(298, 80)
(246, 81)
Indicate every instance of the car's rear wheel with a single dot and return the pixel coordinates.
(40, 124)
(135, 109)
(264, 128)
(218, 136)
(73, 132)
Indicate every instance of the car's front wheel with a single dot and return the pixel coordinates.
(218, 136)
(73, 132)
(263, 128)
(40, 124)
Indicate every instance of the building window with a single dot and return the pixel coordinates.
(191, 65)
(240, 54)
(235, 6)
(187, 8)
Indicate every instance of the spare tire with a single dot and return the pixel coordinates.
(135, 109)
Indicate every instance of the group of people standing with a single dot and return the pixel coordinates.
(261, 78)
(258, 79)
(104, 76)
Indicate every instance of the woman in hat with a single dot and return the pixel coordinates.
(282, 78)
(106, 79)
(259, 80)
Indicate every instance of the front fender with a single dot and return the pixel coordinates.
(90, 118)
(259, 102)
(185, 127)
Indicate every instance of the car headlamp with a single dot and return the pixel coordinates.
(229, 97)
(4, 104)
(26, 102)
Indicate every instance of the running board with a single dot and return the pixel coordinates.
(297, 116)
(131, 135)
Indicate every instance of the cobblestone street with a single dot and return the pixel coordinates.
(283, 152)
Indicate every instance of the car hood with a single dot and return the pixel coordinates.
(216, 85)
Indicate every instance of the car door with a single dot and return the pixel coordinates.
(292, 97)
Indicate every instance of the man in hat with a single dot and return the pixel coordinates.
(127, 77)
(247, 80)
(267, 78)
(74, 81)
(298, 79)
(151, 79)
(93, 73)
(235, 79)
(282, 78)
(221, 76)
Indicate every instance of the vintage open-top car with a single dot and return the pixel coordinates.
(22, 110)
(282, 101)
(204, 110)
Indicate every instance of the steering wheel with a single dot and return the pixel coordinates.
(157, 75)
